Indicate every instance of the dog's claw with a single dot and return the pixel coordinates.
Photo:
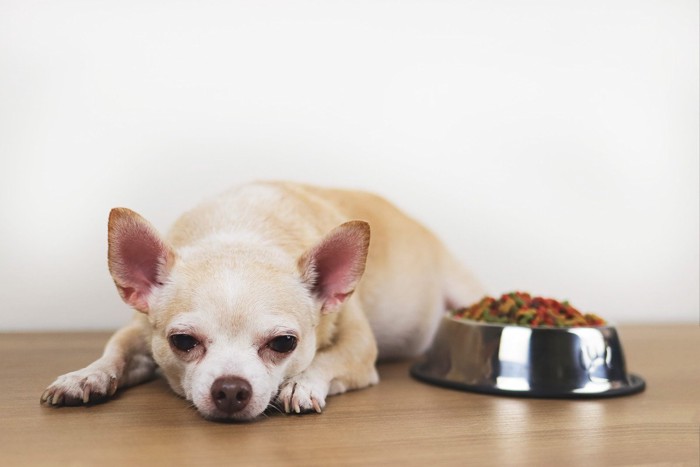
(57, 398)
(113, 385)
(315, 405)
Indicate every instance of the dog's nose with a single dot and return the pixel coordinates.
(231, 394)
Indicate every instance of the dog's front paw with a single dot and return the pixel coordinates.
(303, 394)
(89, 385)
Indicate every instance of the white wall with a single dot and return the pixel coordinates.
(553, 145)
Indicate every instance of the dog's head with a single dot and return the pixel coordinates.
(230, 324)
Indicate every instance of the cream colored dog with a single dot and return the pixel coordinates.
(255, 299)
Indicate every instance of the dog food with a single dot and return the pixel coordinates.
(525, 310)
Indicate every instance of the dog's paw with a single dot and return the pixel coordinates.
(303, 394)
(89, 385)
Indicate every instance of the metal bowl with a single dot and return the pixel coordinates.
(576, 362)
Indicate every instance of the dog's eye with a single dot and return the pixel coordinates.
(283, 344)
(183, 342)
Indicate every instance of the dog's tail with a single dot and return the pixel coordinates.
(461, 288)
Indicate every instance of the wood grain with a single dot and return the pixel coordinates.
(399, 422)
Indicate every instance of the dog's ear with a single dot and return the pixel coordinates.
(332, 268)
(139, 260)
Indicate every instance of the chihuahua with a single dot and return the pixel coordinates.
(270, 295)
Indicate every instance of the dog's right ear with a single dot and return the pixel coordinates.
(139, 260)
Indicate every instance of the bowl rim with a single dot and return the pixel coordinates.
(472, 322)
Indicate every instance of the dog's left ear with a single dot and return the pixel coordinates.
(334, 266)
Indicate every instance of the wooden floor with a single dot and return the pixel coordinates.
(399, 422)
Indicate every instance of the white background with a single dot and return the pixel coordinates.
(553, 145)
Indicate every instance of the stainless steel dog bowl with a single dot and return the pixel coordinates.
(577, 362)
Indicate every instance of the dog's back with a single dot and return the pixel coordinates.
(410, 278)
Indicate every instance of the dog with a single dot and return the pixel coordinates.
(270, 295)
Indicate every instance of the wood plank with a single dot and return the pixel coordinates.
(400, 421)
